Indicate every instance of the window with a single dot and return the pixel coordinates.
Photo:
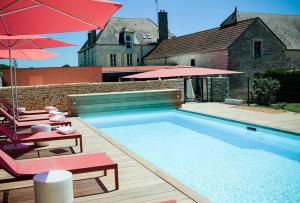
(129, 40)
(138, 60)
(113, 60)
(193, 62)
(129, 59)
(149, 36)
(257, 49)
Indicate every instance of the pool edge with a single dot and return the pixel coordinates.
(265, 126)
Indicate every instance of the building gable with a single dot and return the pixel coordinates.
(285, 27)
(145, 31)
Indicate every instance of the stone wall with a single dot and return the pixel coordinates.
(37, 97)
(214, 59)
(293, 58)
(241, 54)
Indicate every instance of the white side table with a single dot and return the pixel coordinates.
(55, 186)
(41, 128)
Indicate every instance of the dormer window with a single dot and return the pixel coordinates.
(129, 40)
(126, 37)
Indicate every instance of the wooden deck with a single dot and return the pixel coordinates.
(137, 183)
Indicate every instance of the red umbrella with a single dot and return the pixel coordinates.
(181, 71)
(18, 42)
(19, 17)
(51, 16)
(29, 42)
(29, 54)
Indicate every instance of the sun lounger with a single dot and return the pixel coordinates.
(8, 105)
(79, 163)
(28, 124)
(36, 117)
(40, 136)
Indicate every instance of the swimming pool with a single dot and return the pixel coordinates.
(222, 160)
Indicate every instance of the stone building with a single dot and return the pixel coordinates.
(245, 42)
(123, 42)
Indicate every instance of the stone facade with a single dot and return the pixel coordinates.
(37, 97)
(214, 59)
(121, 36)
(293, 58)
(100, 55)
(241, 54)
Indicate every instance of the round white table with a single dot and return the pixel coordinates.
(55, 186)
(41, 128)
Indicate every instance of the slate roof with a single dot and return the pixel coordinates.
(209, 40)
(110, 34)
(285, 27)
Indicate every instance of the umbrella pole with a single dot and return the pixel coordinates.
(16, 91)
(12, 91)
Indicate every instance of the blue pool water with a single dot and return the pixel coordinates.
(219, 159)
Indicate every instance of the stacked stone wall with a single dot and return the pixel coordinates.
(37, 97)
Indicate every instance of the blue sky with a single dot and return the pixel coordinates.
(185, 16)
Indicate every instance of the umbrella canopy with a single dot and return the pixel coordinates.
(29, 42)
(10, 44)
(29, 54)
(181, 71)
(20, 17)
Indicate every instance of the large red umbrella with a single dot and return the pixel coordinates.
(181, 71)
(28, 54)
(19, 17)
(18, 42)
(29, 42)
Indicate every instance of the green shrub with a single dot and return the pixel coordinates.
(265, 90)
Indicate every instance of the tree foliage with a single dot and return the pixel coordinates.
(4, 66)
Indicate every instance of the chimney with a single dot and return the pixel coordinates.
(163, 25)
(93, 36)
(89, 38)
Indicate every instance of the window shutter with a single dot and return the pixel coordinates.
(108, 60)
(134, 59)
(125, 59)
(119, 60)
(121, 38)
